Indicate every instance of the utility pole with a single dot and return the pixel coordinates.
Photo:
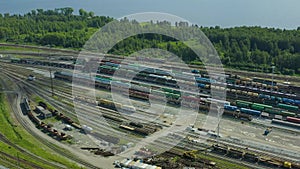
(273, 67)
(218, 128)
(50, 71)
(18, 160)
(52, 90)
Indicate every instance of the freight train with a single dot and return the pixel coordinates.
(287, 123)
(246, 155)
(174, 96)
(231, 80)
(202, 79)
(144, 131)
(48, 128)
(282, 109)
(204, 82)
(116, 106)
(66, 65)
(234, 83)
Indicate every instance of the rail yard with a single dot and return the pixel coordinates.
(66, 107)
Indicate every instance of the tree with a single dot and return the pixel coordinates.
(83, 13)
(91, 14)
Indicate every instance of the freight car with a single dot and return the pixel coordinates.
(263, 81)
(112, 118)
(288, 107)
(293, 120)
(122, 126)
(107, 138)
(233, 111)
(251, 112)
(34, 119)
(137, 130)
(243, 104)
(44, 63)
(116, 106)
(77, 126)
(173, 96)
(247, 155)
(286, 123)
(259, 107)
(139, 95)
(108, 104)
(276, 111)
(26, 105)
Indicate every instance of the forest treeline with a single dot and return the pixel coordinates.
(247, 48)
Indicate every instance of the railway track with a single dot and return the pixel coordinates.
(23, 151)
(249, 147)
(17, 160)
(30, 155)
(207, 146)
(231, 96)
(46, 142)
(263, 91)
(42, 83)
(74, 53)
(92, 117)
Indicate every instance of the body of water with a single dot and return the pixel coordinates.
(224, 13)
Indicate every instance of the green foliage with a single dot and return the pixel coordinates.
(58, 27)
(258, 46)
(247, 48)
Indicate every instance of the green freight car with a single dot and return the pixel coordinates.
(230, 80)
(172, 96)
(260, 107)
(168, 90)
(15, 60)
(279, 112)
(288, 107)
(286, 113)
(273, 111)
(243, 104)
(257, 107)
(103, 78)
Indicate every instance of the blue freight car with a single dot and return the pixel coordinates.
(230, 108)
(263, 96)
(251, 112)
(207, 80)
(102, 80)
(286, 100)
(200, 85)
(112, 64)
